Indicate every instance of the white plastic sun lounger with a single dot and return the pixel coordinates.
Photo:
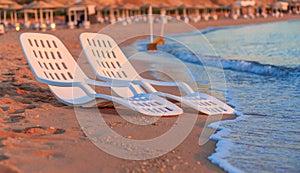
(52, 64)
(110, 64)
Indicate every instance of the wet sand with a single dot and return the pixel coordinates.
(40, 134)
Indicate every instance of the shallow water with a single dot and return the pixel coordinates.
(261, 64)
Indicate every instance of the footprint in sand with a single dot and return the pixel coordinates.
(1, 143)
(3, 157)
(7, 169)
(47, 153)
(14, 119)
(40, 130)
(5, 108)
(18, 111)
(26, 93)
(9, 76)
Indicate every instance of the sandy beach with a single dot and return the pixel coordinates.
(40, 134)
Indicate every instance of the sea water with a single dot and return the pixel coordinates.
(261, 65)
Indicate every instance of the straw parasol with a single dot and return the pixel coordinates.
(87, 6)
(157, 5)
(14, 6)
(129, 9)
(6, 2)
(129, 6)
(41, 6)
(110, 6)
(8, 5)
(2, 6)
(55, 4)
(161, 6)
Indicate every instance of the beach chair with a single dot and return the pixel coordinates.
(110, 64)
(52, 64)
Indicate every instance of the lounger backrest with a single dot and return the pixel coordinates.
(106, 57)
(49, 59)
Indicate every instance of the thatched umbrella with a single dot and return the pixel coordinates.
(213, 8)
(294, 7)
(105, 7)
(193, 8)
(4, 5)
(111, 10)
(127, 8)
(224, 9)
(190, 8)
(1, 8)
(40, 6)
(6, 2)
(261, 10)
(86, 6)
(184, 8)
(235, 10)
(161, 6)
(278, 8)
(55, 5)
(13, 8)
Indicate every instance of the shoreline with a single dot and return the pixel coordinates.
(59, 143)
(241, 22)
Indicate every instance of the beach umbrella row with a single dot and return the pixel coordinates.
(112, 10)
(106, 6)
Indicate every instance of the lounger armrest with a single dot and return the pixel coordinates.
(58, 83)
(114, 83)
(186, 88)
(117, 83)
(145, 83)
(67, 84)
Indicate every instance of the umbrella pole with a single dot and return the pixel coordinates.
(47, 16)
(16, 17)
(41, 16)
(26, 19)
(163, 19)
(11, 18)
(4, 16)
(51, 16)
(162, 28)
(69, 16)
(36, 15)
(151, 23)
